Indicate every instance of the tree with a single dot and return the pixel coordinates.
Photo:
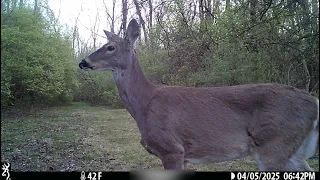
(37, 65)
(124, 16)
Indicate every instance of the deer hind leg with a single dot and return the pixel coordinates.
(270, 161)
(308, 148)
(297, 163)
(278, 150)
(284, 154)
(274, 154)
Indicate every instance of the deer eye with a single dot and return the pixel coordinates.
(110, 48)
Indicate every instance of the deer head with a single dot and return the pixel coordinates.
(116, 54)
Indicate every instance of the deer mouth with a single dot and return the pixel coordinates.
(85, 66)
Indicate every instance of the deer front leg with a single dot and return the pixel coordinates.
(174, 161)
(146, 147)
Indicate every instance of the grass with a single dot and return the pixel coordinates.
(82, 137)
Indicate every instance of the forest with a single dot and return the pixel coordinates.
(58, 117)
(195, 43)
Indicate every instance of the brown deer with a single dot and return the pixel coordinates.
(277, 124)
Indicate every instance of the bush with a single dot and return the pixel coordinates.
(36, 65)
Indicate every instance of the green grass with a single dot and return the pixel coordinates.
(82, 137)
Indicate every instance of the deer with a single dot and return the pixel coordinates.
(276, 124)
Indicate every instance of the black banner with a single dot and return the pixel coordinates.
(70, 175)
(162, 175)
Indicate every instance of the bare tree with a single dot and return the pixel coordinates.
(216, 6)
(21, 3)
(94, 29)
(201, 10)
(227, 4)
(8, 6)
(142, 23)
(150, 13)
(36, 6)
(124, 15)
(253, 8)
(111, 17)
(54, 21)
(208, 8)
(14, 4)
(75, 36)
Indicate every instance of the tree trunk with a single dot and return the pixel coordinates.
(21, 4)
(216, 7)
(112, 19)
(142, 23)
(14, 4)
(227, 4)
(150, 14)
(315, 7)
(201, 12)
(124, 15)
(36, 6)
(252, 10)
(208, 10)
(8, 6)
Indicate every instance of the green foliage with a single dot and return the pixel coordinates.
(5, 87)
(237, 46)
(155, 64)
(97, 88)
(36, 66)
(277, 42)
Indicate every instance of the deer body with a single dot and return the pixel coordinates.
(218, 124)
(277, 124)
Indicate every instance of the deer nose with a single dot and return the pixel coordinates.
(83, 64)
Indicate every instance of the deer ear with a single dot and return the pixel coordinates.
(133, 31)
(111, 36)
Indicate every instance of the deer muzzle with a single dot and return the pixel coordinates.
(83, 64)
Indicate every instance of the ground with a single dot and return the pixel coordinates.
(82, 137)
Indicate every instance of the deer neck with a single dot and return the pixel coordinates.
(134, 88)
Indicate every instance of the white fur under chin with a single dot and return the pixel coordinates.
(102, 69)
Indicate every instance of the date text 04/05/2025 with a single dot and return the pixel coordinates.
(273, 176)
